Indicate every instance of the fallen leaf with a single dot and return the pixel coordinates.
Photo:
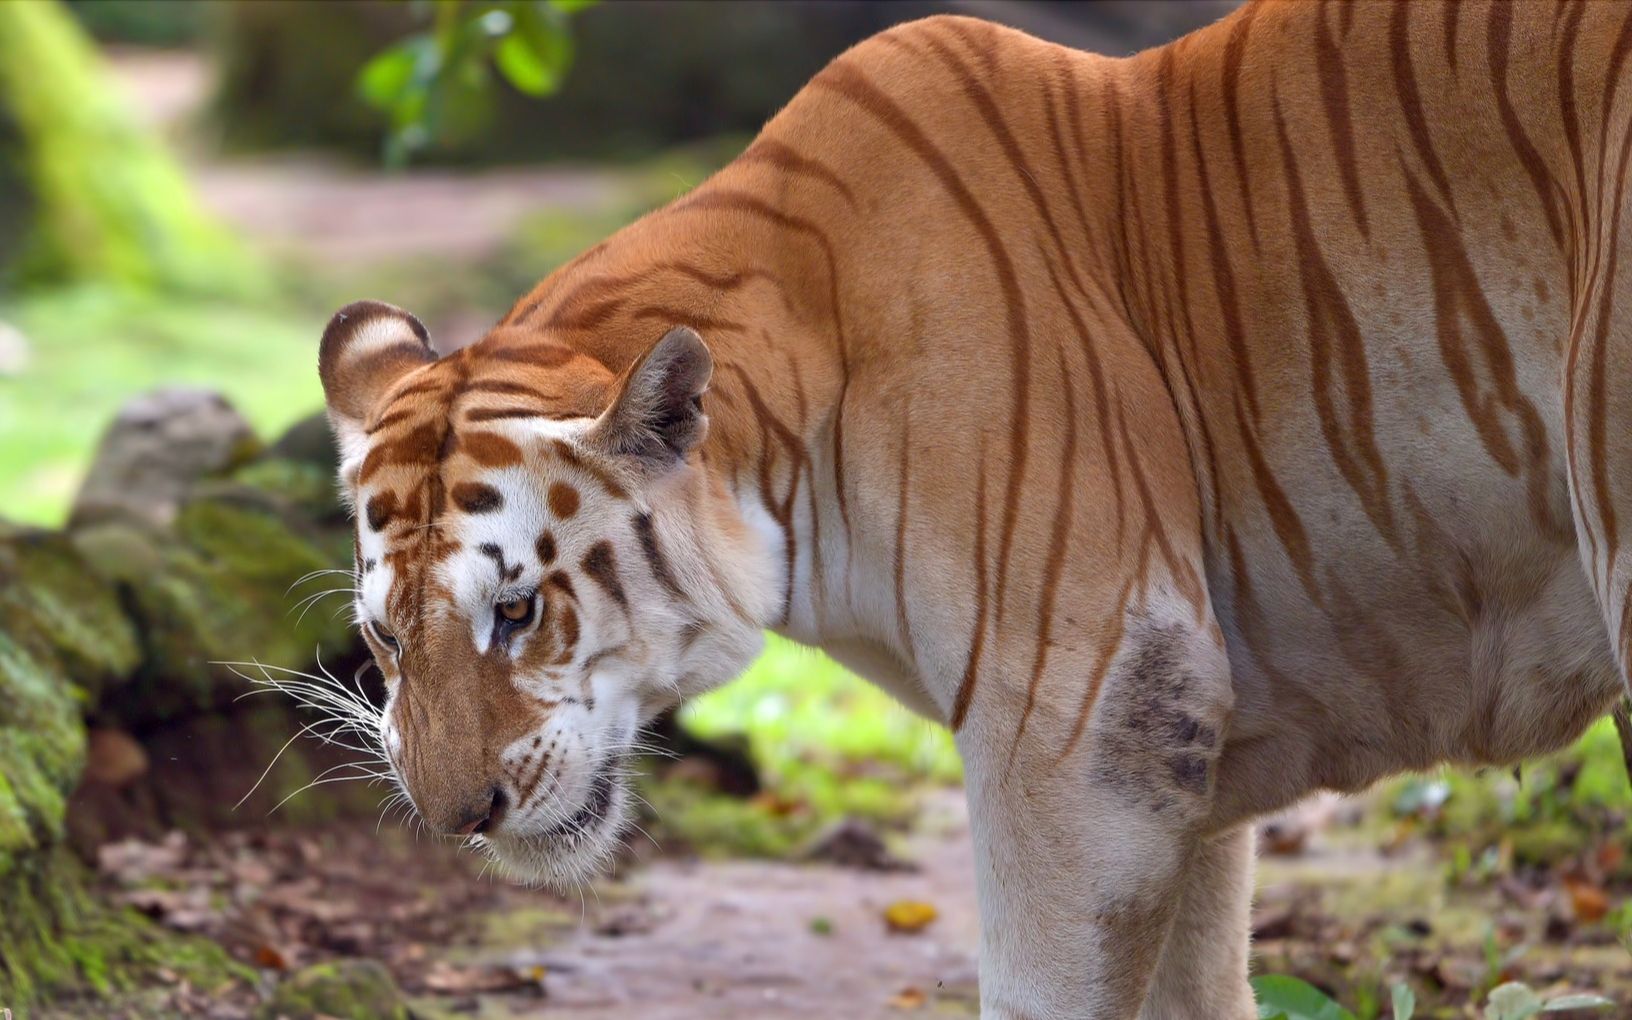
(908, 998)
(1588, 900)
(909, 915)
(270, 956)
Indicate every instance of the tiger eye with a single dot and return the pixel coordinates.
(516, 610)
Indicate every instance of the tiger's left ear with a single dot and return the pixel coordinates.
(657, 417)
(367, 347)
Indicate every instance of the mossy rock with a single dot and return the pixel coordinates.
(226, 586)
(301, 485)
(53, 604)
(62, 637)
(59, 943)
(345, 989)
(42, 749)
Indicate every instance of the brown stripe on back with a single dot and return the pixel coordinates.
(1405, 83)
(782, 156)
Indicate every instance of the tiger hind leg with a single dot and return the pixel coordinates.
(1203, 967)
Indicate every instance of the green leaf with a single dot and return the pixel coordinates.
(1564, 1002)
(572, 6)
(1283, 996)
(522, 66)
(1405, 1001)
(383, 80)
(1512, 1001)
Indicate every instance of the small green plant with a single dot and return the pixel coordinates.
(1518, 1001)
(1283, 997)
(435, 83)
(1404, 1001)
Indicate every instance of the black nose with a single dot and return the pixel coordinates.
(485, 817)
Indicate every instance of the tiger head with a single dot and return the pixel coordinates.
(542, 566)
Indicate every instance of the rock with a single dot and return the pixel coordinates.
(345, 989)
(113, 758)
(62, 639)
(226, 585)
(310, 441)
(156, 449)
(852, 843)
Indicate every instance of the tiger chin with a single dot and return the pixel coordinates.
(1187, 433)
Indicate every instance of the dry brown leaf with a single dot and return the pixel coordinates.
(1589, 901)
(908, 998)
(269, 956)
(909, 915)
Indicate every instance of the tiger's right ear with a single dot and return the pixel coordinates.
(366, 348)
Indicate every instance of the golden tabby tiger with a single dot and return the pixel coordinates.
(1187, 432)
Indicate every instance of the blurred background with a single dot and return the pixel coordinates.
(187, 191)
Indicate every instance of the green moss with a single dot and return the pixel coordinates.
(302, 485)
(346, 989)
(58, 942)
(51, 601)
(226, 588)
(42, 749)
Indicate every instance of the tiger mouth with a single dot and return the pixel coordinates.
(593, 812)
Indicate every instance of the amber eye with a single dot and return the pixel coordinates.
(516, 611)
(382, 635)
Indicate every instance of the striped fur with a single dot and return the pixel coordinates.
(1188, 432)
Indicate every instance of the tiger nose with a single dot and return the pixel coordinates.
(480, 818)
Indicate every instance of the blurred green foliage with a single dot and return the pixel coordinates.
(827, 745)
(107, 202)
(143, 22)
(436, 84)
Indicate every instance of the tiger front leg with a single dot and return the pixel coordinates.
(1088, 826)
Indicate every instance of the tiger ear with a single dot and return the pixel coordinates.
(657, 417)
(367, 347)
